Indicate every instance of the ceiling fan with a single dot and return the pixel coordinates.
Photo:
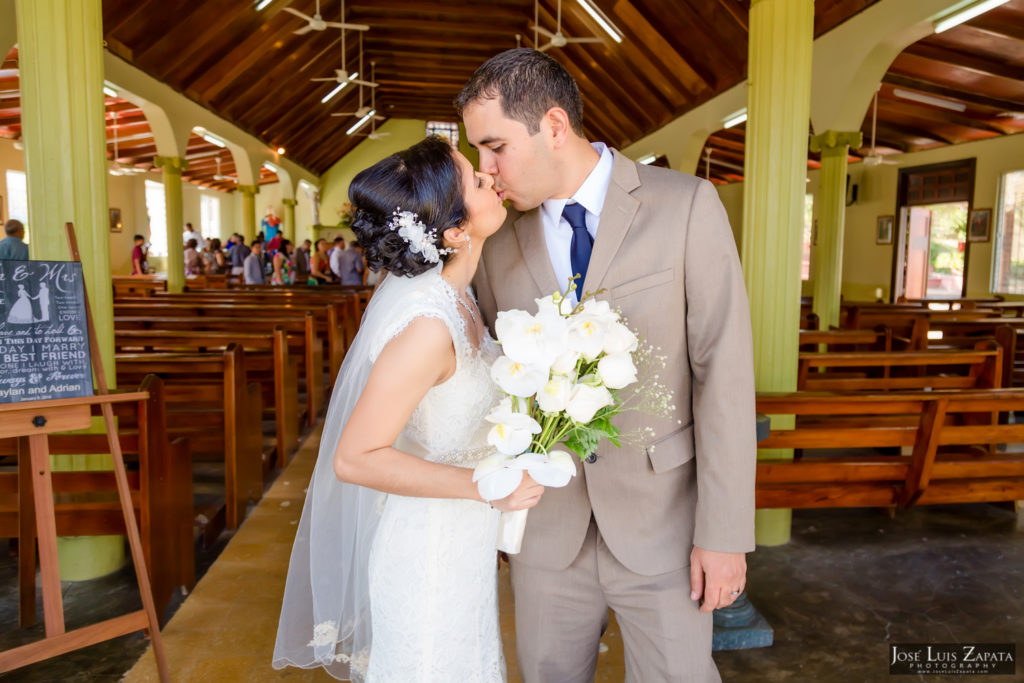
(117, 168)
(556, 39)
(223, 178)
(874, 158)
(370, 114)
(317, 23)
(342, 76)
(362, 110)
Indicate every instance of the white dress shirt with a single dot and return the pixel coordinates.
(558, 232)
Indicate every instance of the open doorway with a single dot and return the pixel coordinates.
(931, 252)
(936, 247)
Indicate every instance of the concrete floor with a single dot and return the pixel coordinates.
(849, 583)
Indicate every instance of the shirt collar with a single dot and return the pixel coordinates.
(591, 193)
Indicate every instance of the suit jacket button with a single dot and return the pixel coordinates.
(592, 458)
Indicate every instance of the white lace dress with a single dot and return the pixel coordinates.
(432, 566)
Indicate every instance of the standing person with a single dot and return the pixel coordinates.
(213, 258)
(335, 257)
(253, 268)
(139, 254)
(392, 575)
(193, 261)
(659, 533)
(302, 262)
(238, 254)
(350, 265)
(284, 271)
(12, 246)
(319, 265)
(190, 234)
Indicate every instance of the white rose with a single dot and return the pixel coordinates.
(565, 363)
(586, 336)
(518, 379)
(585, 401)
(555, 394)
(512, 431)
(619, 339)
(617, 370)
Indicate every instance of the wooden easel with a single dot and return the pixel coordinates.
(35, 420)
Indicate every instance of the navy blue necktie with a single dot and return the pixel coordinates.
(582, 242)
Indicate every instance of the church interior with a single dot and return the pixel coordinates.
(869, 155)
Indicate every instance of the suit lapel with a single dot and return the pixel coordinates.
(530, 234)
(617, 214)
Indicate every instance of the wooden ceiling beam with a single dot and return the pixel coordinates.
(902, 130)
(964, 61)
(384, 10)
(893, 108)
(737, 11)
(1001, 22)
(921, 85)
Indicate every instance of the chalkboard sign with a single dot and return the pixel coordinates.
(44, 340)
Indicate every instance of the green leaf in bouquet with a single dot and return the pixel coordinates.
(583, 441)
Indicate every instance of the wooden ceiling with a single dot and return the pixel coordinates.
(248, 67)
(978, 66)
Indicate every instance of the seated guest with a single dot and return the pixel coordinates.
(301, 261)
(192, 234)
(139, 253)
(252, 269)
(238, 254)
(350, 267)
(11, 246)
(284, 271)
(213, 258)
(193, 262)
(319, 265)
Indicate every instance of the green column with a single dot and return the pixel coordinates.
(778, 110)
(60, 53)
(172, 168)
(828, 258)
(249, 211)
(289, 218)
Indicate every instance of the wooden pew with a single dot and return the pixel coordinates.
(900, 370)
(282, 376)
(846, 340)
(952, 437)
(210, 401)
(86, 503)
(138, 285)
(329, 324)
(303, 328)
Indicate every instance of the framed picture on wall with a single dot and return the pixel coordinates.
(115, 220)
(883, 231)
(979, 226)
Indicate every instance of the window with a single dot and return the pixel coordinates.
(446, 129)
(1008, 270)
(209, 214)
(157, 218)
(17, 197)
(805, 259)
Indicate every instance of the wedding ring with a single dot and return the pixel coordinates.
(734, 593)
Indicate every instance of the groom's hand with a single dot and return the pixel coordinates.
(718, 578)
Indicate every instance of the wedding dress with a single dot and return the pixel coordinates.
(392, 589)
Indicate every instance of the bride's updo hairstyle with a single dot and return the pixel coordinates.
(425, 180)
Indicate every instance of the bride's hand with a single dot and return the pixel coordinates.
(523, 498)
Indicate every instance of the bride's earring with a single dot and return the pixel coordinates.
(469, 244)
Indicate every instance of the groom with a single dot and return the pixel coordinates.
(656, 531)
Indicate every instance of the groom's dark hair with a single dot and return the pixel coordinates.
(527, 83)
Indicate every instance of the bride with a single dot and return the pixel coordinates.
(393, 571)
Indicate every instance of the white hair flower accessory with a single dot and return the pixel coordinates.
(415, 234)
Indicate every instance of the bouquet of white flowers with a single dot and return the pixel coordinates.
(561, 371)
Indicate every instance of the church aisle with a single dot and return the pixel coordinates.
(225, 629)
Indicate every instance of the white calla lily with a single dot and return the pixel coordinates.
(617, 370)
(619, 339)
(585, 401)
(555, 394)
(555, 471)
(495, 479)
(517, 378)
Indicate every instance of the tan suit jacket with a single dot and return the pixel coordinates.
(666, 257)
